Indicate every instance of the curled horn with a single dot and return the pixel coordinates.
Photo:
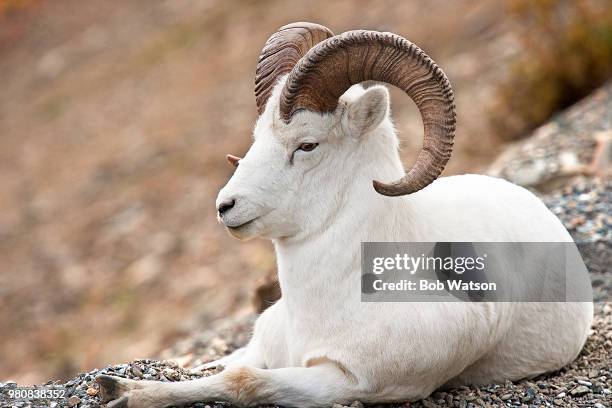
(278, 57)
(280, 54)
(334, 65)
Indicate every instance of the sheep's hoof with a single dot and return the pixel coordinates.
(113, 389)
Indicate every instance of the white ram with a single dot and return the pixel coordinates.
(306, 184)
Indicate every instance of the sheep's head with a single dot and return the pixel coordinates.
(315, 128)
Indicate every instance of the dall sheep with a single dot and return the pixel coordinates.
(306, 184)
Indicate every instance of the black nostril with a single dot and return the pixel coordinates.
(225, 206)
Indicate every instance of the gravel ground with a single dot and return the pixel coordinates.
(584, 208)
(587, 382)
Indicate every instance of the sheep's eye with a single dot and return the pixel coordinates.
(308, 147)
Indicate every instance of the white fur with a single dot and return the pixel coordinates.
(319, 344)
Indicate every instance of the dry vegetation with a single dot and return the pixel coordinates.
(114, 121)
(566, 53)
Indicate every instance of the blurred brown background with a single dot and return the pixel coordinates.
(115, 117)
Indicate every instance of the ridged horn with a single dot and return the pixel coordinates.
(280, 54)
(334, 65)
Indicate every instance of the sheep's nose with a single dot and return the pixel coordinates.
(226, 206)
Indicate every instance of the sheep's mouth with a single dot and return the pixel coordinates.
(245, 224)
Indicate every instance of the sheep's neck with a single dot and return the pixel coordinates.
(326, 269)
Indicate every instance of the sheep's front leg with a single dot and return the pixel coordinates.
(315, 386)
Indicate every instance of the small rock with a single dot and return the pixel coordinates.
(171, 374)
(171, 363)
(506, 397)
(531, 393)
(73, 401)
(580, 390)
(356, 404)
(586, 383)
(136, 371)
(91, 391)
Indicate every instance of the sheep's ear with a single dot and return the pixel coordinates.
(366, 112)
